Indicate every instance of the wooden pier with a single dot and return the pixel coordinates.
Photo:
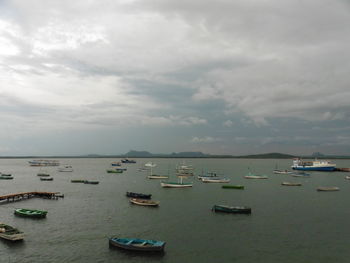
(28, 195)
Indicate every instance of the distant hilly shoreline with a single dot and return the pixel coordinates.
(146, 154)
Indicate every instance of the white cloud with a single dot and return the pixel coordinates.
(206, 139)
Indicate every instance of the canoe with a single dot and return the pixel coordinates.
(43, 174)
(137, 244)
(215, 180)
(233, 186)
(77, 181)
(30, 213)
(10, 233)
(332, 188)
(144, 202)
(232, 209)
(138, 195)
(6, 177)
(291, 184)
(154, 176)
(91, 182)
(175, 185)
(46, 178)
(118, 171)
(256, 177)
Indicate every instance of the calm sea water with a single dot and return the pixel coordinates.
(287, 224)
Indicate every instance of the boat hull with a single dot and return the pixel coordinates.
(311, 168)
(137, 244)
(232, 209)
(175, 185)
(30, 213)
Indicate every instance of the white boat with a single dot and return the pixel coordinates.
(316, 165)
(184, 170)
(179, 184)
(215, 180)
(10, 233)
(326, 189)
(44, 163)
(276, 171)
(253, 176)
(144, 202)
(347, 177)
(150, 164)
(155, 176)
(66, 168)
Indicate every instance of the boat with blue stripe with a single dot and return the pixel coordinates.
(316, 165)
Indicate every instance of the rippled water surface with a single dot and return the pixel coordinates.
(287, 224)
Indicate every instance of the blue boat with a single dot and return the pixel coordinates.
(126, 160)
(137, 244)
(316, 165)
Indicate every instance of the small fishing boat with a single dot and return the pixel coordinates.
(91, 182)
(328, 189)
(2, 174)
(116, 170)
(43, 174)
(116, 164)
(215, 180)
(155, 176)
(138, 195)
(10, 233)
(232, 209)
(30, 213)
(290, 184)
(347, 177)
(77, 181)
(256, 177)
(46, 178)
(207, 175)
(179, 184)
(144, 202)
(66, 168)
(300, 174)
(233, 186)
(6, 177)
(137, 244)
(126, 160)
(276, 171)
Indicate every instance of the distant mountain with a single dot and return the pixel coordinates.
(133, 153)
(268, 156)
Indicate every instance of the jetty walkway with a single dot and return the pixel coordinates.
(28, 195)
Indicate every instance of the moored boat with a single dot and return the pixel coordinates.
(43, 174)
(115, 170)
(144, 202)
(316, 165)
(347, 177)
(290, 184)
(44, 163)
(232, 209)
(254, 176)
(116, 164)
(155, 176)
(138, 195)
(6, 177)
(137, 244)
(34, 213)
(207, 175)
(233, 186)
(66, 168)
(175, 185)
(328, 189)
(46, 178)
(126, 160)
(215, 180)
(77, 181)
(91, 182)
(276, 171)
(10, 233)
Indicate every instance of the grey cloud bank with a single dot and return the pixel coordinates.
(222, 77)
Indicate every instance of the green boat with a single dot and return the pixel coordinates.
(30, 213)
(117, 171)
(5, 177)
(77, 181)
(233, 186)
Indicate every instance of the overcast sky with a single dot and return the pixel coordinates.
(221, 77)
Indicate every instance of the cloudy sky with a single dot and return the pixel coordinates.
(221, 77)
